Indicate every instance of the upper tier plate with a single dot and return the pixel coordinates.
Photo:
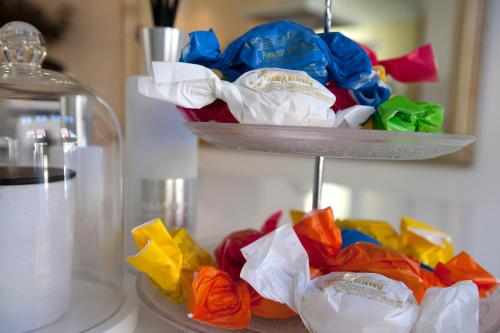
(337, 143)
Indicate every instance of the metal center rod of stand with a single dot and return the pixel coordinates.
(319, 163)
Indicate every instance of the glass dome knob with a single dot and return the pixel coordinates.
(21, 45)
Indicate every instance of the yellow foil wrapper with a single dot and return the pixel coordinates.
(168, 260)
(368, 124)
(181, 293)
(380, 71)
(381, 231)
(427, 244)
(159, 256)
(194, 255)
(296, 216)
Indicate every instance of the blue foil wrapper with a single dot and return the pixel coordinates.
(427, 267)
(285, 45)
(352, 236)
(371, 90)
(350, 62)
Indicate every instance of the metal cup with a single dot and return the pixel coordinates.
(161, 44)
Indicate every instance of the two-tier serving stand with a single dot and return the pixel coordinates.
(319, 143)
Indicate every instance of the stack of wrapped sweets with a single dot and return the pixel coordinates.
(282, 73)
(338, 276)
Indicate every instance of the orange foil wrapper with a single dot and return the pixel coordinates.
(219, 301)
(372, 258)
(228, 253)
(431, 278)
(463, 267)
(265, 308)
(320, 236)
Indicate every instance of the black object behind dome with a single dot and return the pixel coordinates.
(24, 175)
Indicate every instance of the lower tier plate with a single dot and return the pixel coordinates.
(330, 142)
(176, 315)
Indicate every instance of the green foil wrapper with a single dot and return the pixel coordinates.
(401, 114)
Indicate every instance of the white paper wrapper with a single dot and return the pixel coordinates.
(353, 117)
(449, 310)
(358, 302)
(277, 267)
(489, 313)
(262, 96)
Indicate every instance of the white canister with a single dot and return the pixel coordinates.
(37, 210)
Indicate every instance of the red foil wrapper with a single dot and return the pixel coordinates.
(228, 253)
(416, 66)
(343, 100)
(217, 111)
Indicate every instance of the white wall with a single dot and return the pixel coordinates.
(241, 189)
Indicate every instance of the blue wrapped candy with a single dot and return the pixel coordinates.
(371, 90)
(352, 236)
(350, 61)
(281, 44)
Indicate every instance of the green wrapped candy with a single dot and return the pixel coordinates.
(401, 114)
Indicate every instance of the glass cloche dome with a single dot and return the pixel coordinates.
(61, 207)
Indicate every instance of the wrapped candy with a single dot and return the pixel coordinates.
(159, 256)
(427, 244)
(265, 308)
(401, 114)
(352, 236)
(296, 216)
(281, 44)
(263, 96)
(381, 231)
(168, 260)
(370, 90)
(448, 310)
(416, 66)
(349, 63)
(219, 301)
(228, 252)
(277, 268)
(429, 277)
(217, 111)
(367, 257)
(354, 116)
(193, 255)
(319, 235)
(343, 99)
(463, 267)
(322, 240)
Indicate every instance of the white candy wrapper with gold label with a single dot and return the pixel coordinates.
(263, 96)
(277, 267)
